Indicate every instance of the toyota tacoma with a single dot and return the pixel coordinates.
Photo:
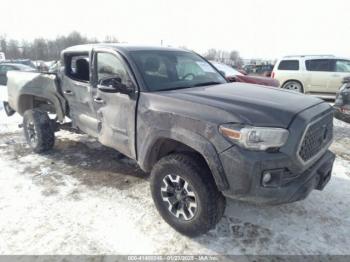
(201, 138)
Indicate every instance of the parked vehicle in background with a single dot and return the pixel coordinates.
(233, 75)
(200, 137)
(342, 102)
(318, 75)
(261, 70)
(54, 67)
(5, 67)
(26, 62)
(41, 65)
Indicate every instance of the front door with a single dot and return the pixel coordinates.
(115, 111)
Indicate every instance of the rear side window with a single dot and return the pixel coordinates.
(77, 67)
(289, 65)
(320, 65)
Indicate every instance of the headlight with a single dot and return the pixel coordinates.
(255, 138)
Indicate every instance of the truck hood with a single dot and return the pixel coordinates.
(241, 103)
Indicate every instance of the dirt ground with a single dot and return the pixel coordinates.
(83, 198)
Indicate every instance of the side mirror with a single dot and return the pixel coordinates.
(113, 85)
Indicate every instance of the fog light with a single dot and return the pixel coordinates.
(266, 178)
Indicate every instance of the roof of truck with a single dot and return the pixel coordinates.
(124, 47)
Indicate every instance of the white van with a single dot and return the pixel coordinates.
(320, 75)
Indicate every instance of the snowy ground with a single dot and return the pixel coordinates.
(83, 198)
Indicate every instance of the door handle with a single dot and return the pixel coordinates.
(68, 92)
(99, 100)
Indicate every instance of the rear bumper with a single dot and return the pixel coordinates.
(287, 183)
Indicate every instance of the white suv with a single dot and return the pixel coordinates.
(318, 75)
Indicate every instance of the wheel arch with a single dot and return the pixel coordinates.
(28, 101)
(165, 143)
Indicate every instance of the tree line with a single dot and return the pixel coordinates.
(45, 49)
(50, 49)
(228, 57)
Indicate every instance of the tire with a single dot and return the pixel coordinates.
(293, 86)
(209, 203)
(38, 130)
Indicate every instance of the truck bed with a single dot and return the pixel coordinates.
(25, 88)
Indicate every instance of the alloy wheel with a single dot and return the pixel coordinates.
(180, 197)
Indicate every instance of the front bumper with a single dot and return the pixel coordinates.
(244, 171)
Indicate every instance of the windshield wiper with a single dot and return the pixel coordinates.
(196, 85)
(208, 83)
(175, 88)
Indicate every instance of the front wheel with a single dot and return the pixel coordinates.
(186, 195)
(38, 130)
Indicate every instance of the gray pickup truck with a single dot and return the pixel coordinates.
(201, 138)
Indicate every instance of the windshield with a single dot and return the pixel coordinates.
(167, 70)
(229, 71)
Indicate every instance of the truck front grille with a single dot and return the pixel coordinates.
(317, 137)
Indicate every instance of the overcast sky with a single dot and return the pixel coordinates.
(256, 28)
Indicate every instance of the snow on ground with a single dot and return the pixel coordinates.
(83, 198)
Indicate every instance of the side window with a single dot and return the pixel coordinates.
(342, 66)
(78, 67)
(110, 66)
(319, 65)
(289, 65)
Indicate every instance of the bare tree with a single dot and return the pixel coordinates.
(236, 59)
(44, 49)
(211, 54)
(111, 39)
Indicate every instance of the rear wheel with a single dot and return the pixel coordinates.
(38, 130)
(293, 86)
(185, 194)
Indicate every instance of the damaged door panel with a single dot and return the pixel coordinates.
(114, 108)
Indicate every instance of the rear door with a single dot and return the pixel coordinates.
(116, 112)
(76, 87)
(319, 73)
